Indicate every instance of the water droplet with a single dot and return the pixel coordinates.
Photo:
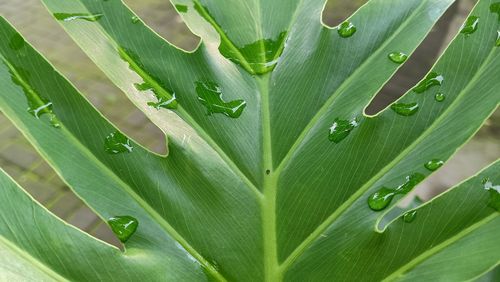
(495, 8)
(116, 143)
(164, 99)
(37, 104)
(16, 42)
(398, 57)
(405, 109)
(341, 129)
(432, 79)
(434, 164)
(135, 19)
(439, 97)
(470, 25)
(268, 172)
(258, 57)
(383, 197)
(210, 95)
(181, 8)
(123, 226)
(409, 216)
(78, 16)
(346, 29)
(498, 39)
(494, 191)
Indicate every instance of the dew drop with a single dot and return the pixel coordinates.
(340, 129)
(498, 39)
(405, 109)
(439, 97)
(398, 57)
(409, 216)
(117, 143)
(210, 95)
(123, 226)
(77, 16)
(470, 25)
(181, 8)
(135, 19)
(434, 164)
(494, 191)
(432, 79)
(346, 29)
(495, 8)
(383, 197)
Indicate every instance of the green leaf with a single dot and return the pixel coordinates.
(271, 158)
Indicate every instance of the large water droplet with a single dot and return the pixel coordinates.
(346, 29)
(181, 8)
(383, 197)
(432, 79)
(258, 57)
(123, 226)
(494, 191)
(439, 97)
(164, 100)
(341, 129)
(470, 25)
(398, 57)
(495, 8)
(37, 104)
(434, 164)
(78, 16)
(210, 95)
(116, 143)
(409, 216)
(405, 109)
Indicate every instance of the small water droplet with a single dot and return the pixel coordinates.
(405, 109)
(494, 191)
(181, 8)
(434, 164)
(439, 97)
(123, 226)
(210, 95)
(340, 129)
(470, 25)
(16, 42)
(383, 197)
(409, 216)
(498, 39)
(135, 19)
(78, 16)
(116, 143)
(495, 8)
(432, 79)
(268, 172)
(346, 29)
(398, 57)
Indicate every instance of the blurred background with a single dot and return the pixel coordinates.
(23, 163)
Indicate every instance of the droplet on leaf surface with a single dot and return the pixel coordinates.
(470, 26)
(494, 191)
(123, 226)
(135, 19)
(409, 216)
(78, 16)
(432, 79)
(210, 95)
(434, 164)
(439, 97)
(117, 143)
(398, 57)
(405, 109)
(340, 129)
(498, 39)
(346, 29)
(383, 197)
